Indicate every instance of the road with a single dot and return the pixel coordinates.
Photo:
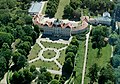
(85, 57)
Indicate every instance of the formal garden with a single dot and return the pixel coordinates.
(49, 50)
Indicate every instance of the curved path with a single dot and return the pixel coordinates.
(54, 59)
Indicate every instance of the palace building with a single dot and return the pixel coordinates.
(56, 27)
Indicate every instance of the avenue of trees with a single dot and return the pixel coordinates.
(71, 52)
(95, 7)
(52, 7)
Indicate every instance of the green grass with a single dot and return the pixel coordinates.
(49, 65)
(60, 9)
(34, 52)
(79, 63)
(49, 54)
(44, 8)
(52, 45)
(61, 58)
(92, 58)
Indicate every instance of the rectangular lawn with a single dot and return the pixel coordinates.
(44, 8)
(34, 52)
(52, 45)
(61, 58)
(49, 65)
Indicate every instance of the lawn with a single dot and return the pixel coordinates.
(92, 58)
(79, 63)
(49, 54)
(49, 65)
(52, 45)
(44, 8)
(61, 58)
(60, 9)
(34, 52)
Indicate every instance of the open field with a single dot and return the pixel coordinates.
(49, 54)
(92, 58)
(34, 52)
(61, 58)
(60, 9)
(49, 65)
(79, 62)
(52, 45)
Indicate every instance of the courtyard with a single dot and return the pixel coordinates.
(48, 53)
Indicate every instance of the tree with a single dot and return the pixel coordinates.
(116, 61)
(72, 48)
(98, 35)
(117, 49)
(77, 14)
(28, 30)
(6, 38)
(56, 77)
(23, 76)
(113, 39)
(43, 69)
(106, 74)
(15, 57)
(3, 67)
(19, 32)
(28, 19)
(67, 67)
(93, 73)
(28, 38)
(74, 42)
(21, 62)
(54, 81)
(44, 78)
(117, 75)
(6, 53)
(68, 10)
(25, 46)
(70, 55)
(32, 68)
(75, 4)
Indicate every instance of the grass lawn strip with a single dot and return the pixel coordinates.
(61, 58)
(44, 8)
(49, 65)
(49, 54)
(92, 58)
(60, 9)
(34, 52)
(52, 45)
(79, 62)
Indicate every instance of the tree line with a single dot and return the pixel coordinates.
(52, 7)
(76, 8)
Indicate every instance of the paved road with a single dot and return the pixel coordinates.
(85, 57)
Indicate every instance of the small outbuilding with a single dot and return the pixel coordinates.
(35, 8)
